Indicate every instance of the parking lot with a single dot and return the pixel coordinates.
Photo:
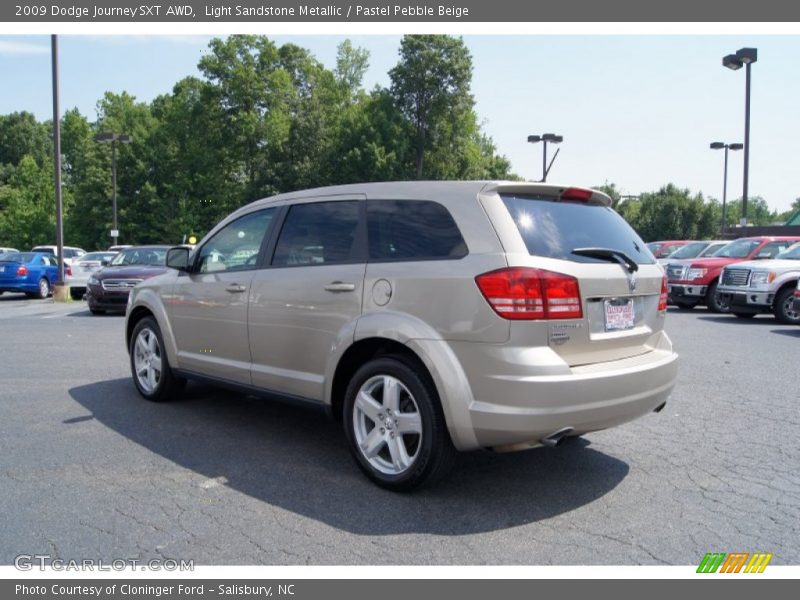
(90, 470)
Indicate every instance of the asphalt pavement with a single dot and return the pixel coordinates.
(90, 470)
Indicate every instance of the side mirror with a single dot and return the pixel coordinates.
(178, 258)
(104, 263)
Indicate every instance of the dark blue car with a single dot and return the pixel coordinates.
(31, 272)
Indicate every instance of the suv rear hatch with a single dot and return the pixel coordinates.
(601, 293)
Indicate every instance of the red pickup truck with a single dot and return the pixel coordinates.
(693, 281)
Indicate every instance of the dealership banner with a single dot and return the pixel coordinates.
(385, 589)
(729, 11)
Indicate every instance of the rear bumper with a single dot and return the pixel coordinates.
(514, 411)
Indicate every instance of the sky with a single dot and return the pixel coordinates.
(636, 111)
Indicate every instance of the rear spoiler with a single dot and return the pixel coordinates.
(548, 190)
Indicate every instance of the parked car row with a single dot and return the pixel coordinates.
(36, 272)
(744, 277)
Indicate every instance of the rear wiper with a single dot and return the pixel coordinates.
(610, 255)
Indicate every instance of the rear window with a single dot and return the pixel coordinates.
(553, 229)
(412, 230)
(20, 257)
(44, 249)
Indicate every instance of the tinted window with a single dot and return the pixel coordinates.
(235, 247)
(412, 230)
(318, 233)
(554, 229)
(20, 257)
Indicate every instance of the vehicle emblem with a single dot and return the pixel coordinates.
(632, 282)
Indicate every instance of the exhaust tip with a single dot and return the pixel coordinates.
(555, 438)
(660, 407)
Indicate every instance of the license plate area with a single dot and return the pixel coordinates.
(619, 314)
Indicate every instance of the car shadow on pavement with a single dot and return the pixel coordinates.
(297, 459)
(757, 321)
(790, 332)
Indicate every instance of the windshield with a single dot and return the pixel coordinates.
(141, 256)
(791, 253)
(712, 249)
(555, 229)
(97, 256)
(738, 249)
(689, 250)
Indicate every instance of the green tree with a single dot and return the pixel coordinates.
(670, 213)
(27, 205)
(431, 87)
(758, 212)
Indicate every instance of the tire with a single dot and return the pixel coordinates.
(397, 461)
(782, 307)
(685, 305)
(713, 301)
(741, 315)
(150, 368)
(44, 289)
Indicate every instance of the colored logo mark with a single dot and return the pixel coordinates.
(735, 562)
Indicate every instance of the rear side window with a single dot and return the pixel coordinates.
(772, 249)
(318, 233)
(553, 229)
(412, 230)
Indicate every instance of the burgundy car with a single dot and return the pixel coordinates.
(108, 288)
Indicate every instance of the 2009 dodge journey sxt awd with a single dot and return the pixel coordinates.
(430, 317)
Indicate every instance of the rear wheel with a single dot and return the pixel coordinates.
(395, 425)
(150, 368)
(715, 302)
(784, 307)
(44, 288)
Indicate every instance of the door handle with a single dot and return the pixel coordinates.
(339, 286)
(235, 288)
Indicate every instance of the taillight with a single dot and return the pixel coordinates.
(797, 293)
(68, 270)
(576, 194)
(22, 271)
(662, 299)
(523, 293)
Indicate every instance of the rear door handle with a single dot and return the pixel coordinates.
(235, 288)
(339, 286)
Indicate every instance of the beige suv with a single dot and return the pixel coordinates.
(430, 317)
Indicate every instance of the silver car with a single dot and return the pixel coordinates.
(430, 317)
(82, 268)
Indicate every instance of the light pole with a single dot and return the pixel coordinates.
(744, 57)
(57, 165)
(719, 146)
(113, 138)
(544, 138)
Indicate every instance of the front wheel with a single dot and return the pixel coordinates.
(784, 307)
(717, 303)
(150, 368)
(395, 425)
